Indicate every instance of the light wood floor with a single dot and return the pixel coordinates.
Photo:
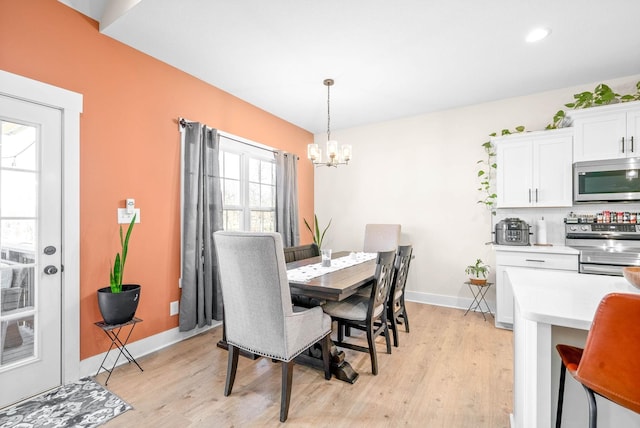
(450, 371)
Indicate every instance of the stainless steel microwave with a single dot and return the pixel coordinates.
(611, 180)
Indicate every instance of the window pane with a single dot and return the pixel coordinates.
(269, 221)
(18, 236)
(19, 191)
(262, 221)
(254, 195)
(18, 146)
(231, 166)
(266, 196)
(254, 170)
(267, 172)
(231, 192)
(231, 220)
(256, 221)
(18, 340)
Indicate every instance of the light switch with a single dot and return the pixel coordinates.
(125, 217)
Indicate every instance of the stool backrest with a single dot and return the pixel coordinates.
(610, 363)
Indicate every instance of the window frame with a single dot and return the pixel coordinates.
(246, 150)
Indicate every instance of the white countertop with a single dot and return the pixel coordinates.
(552, 249)
(565, 299)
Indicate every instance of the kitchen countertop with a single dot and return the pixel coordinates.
(562, 298)
(551, 249)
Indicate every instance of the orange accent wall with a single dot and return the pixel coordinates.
(129, 147)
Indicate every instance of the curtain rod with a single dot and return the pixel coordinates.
(184, 122)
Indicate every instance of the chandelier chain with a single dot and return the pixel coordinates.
(328, 112)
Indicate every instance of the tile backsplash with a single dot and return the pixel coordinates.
(554, 217)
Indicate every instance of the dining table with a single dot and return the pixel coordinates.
(309, 280)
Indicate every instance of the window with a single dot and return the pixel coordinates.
(248, 182)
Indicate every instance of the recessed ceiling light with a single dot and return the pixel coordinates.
(537, 34)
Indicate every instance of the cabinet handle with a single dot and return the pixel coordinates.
(622, 144)
(529, 195)
(631, 144)
(536, 195)
(534, 260)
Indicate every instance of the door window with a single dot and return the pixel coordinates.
(18, 210)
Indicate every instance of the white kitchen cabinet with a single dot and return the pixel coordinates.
(534, 169)
(606, 132)
(549, 258)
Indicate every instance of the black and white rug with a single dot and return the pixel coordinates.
(81, 404)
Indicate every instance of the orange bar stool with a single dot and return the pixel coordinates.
(608, 364)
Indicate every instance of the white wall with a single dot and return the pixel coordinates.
(421, 172)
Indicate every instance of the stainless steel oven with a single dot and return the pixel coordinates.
(604, 248)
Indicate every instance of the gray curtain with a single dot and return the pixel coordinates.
(287, 198)
(201, 299)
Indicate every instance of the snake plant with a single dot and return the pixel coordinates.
(315, 231)
(117, 269)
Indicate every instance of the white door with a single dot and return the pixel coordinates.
(30, 245)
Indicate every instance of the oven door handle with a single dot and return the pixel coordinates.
(601, 269)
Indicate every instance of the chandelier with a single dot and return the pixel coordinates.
(335, 155)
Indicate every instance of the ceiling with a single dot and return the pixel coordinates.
(390, 59)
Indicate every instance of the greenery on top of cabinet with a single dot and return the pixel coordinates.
(601, 95)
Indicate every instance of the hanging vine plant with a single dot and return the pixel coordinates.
(601, 95)
(486, 173)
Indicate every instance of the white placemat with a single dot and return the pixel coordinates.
(305, 273)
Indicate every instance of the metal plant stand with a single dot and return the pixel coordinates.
(113, 332)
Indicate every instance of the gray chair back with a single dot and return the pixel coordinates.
(382, 284)
(258, 313)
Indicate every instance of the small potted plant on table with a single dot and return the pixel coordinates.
(478, 272)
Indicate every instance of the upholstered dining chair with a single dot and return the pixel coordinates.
(292, 254)
(396, 309)
(259, 316)
(608, 364)
(381, 237)
(366, 313)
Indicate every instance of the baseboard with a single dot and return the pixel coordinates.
(142, 347)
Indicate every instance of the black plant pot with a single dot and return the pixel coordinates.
(119, 308)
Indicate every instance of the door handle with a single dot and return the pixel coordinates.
(50, 270)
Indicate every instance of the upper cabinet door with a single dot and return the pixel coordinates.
(606, 132)
(552, 172)
(600, 137)
(633, 132)
(514, 174)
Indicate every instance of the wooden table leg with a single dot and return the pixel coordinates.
(339, 367)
